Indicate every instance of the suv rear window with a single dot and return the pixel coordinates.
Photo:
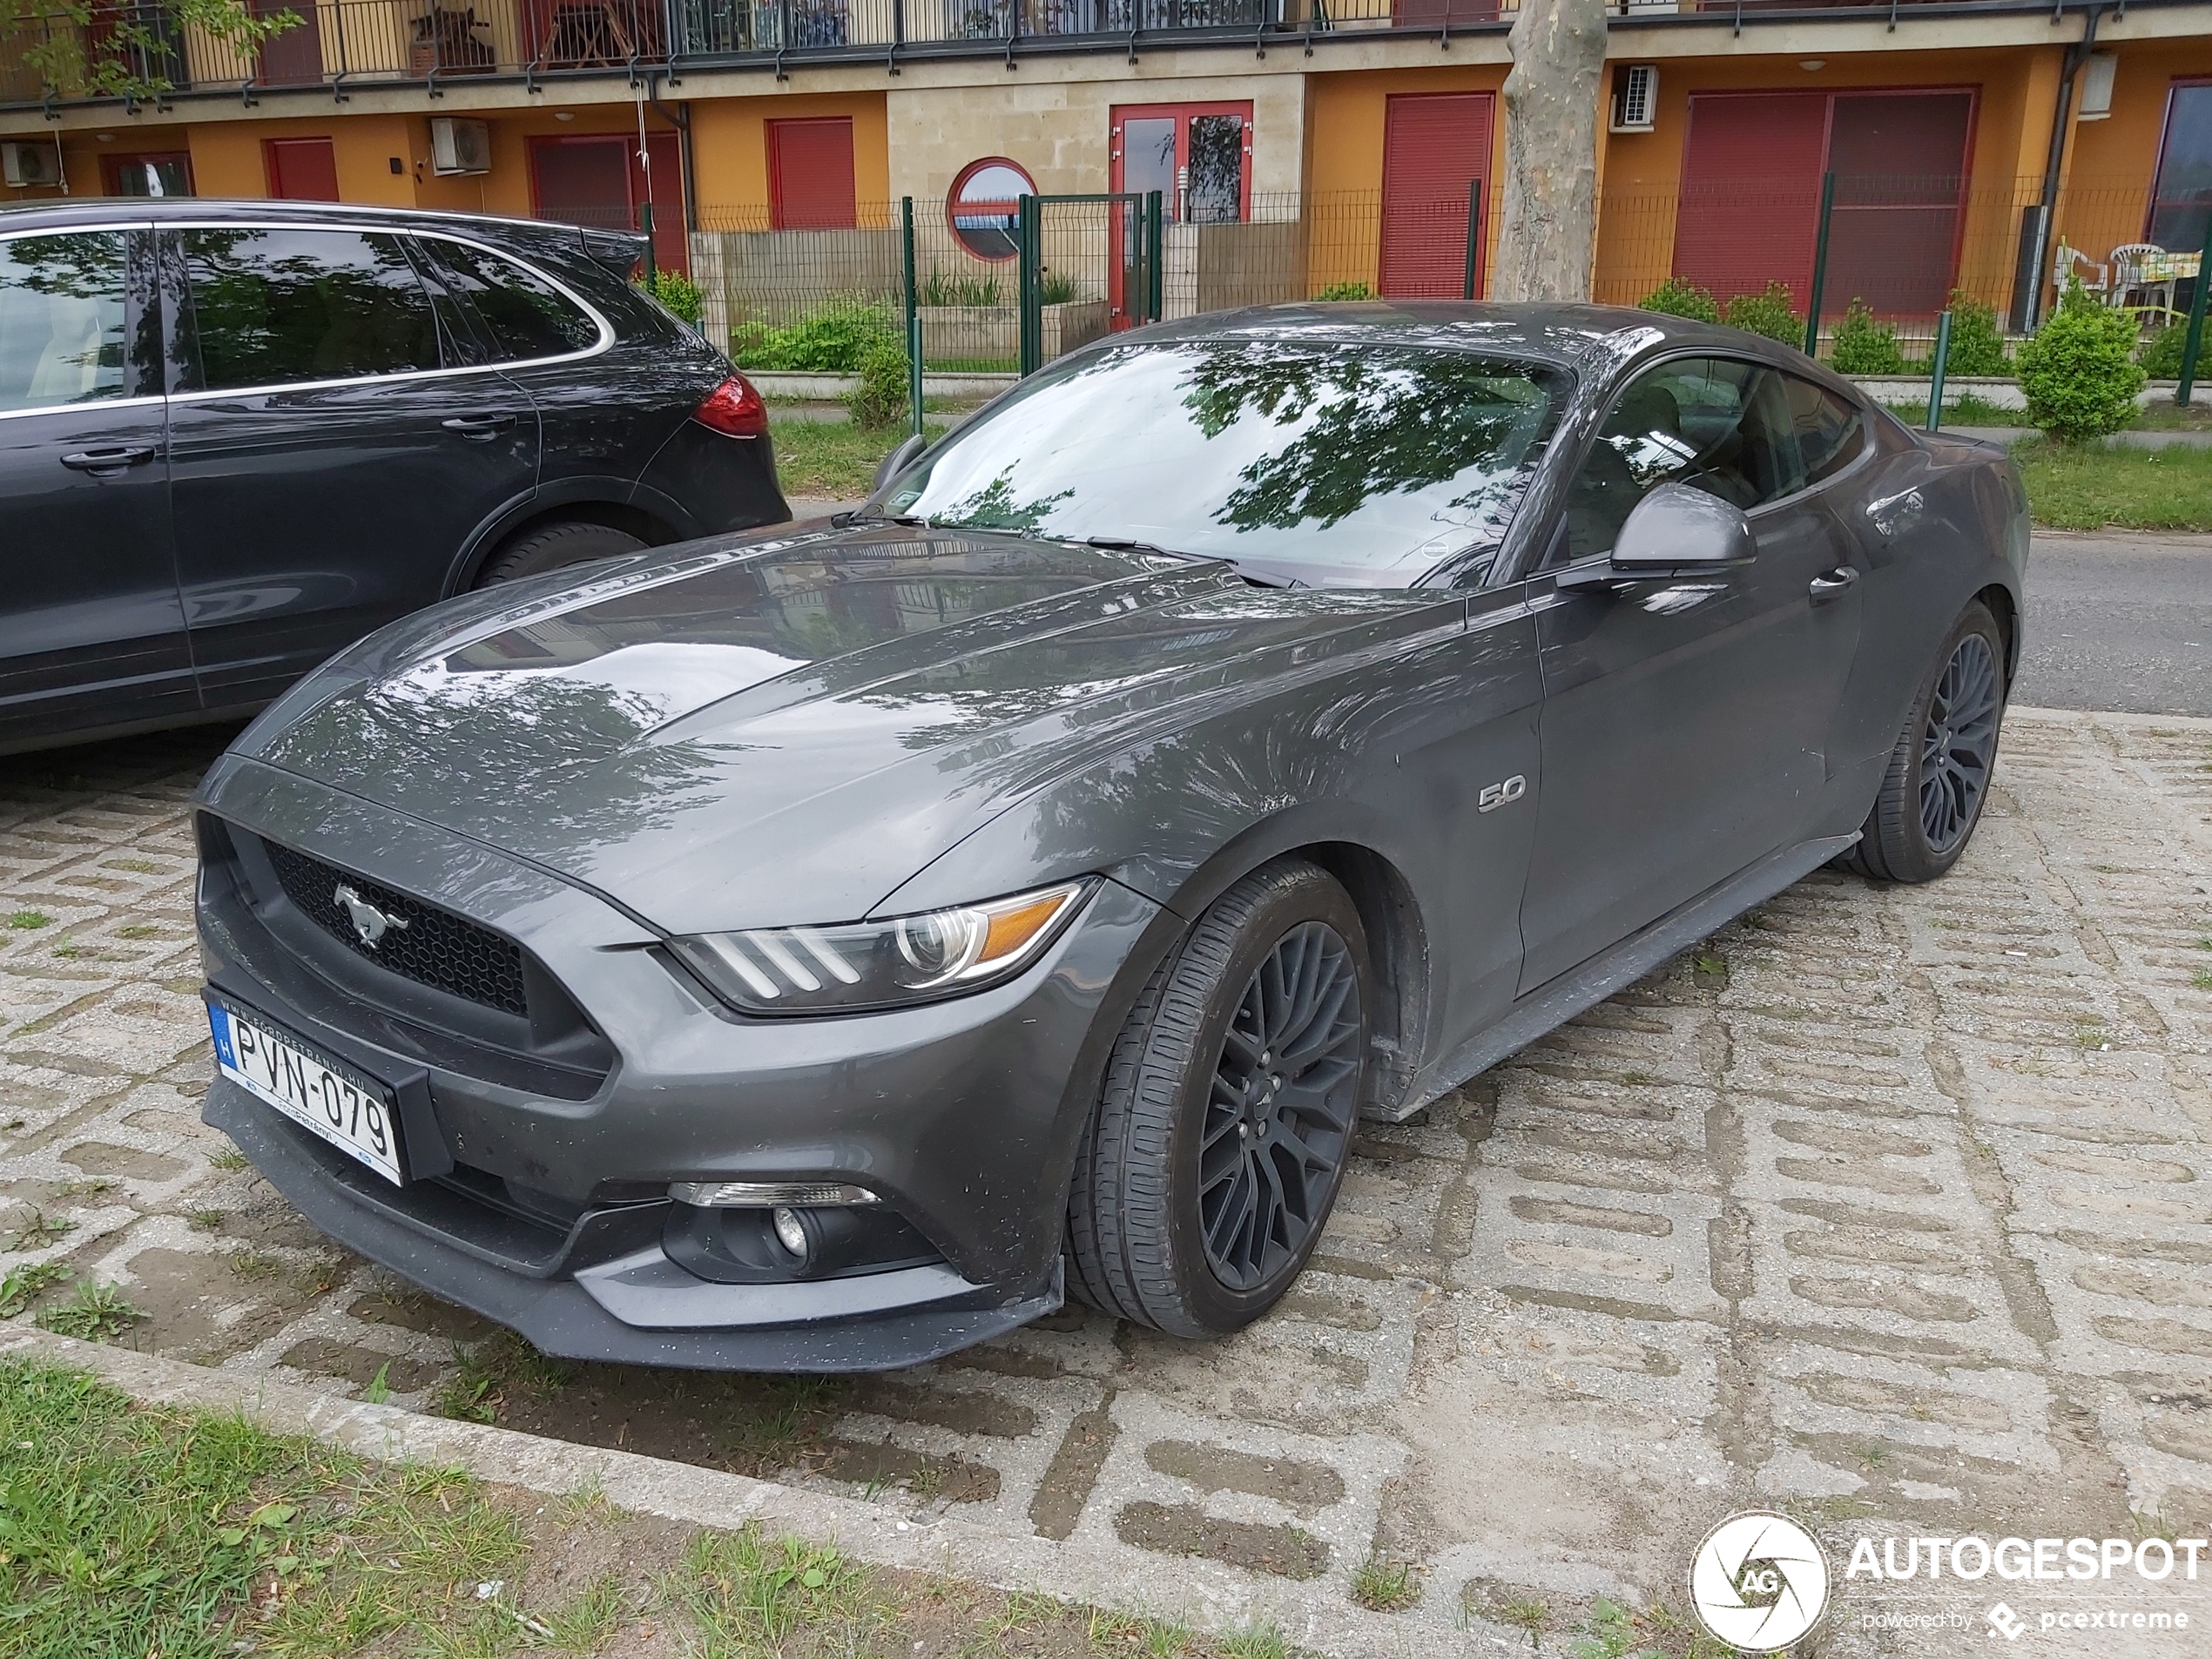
(278, 307)
(62, 308)
(522, 314)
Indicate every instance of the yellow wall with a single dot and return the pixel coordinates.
(729, 152)
(2113, 163)
(1344, 171)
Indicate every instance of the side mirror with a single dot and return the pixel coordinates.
(1674, 530)
(894, 463)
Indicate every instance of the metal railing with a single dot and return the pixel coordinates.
(337, 44)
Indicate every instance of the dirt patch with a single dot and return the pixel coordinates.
(1303, 1486)
(1185, 1529)
(425, 1315)
(197, 1309)
(97, 1157)
(878, 1464)
(320, 1356)
(1074, 1471)
(987, 1415)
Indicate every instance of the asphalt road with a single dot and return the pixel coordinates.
(2119, 621)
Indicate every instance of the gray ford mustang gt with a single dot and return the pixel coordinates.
(822, 949)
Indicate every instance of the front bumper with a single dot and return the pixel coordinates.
(538, 1196)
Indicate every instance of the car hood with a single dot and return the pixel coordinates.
(783, 731)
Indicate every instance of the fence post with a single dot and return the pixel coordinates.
(1155, 258)
(1819, 265)
(1475, 235)
(914, 311)
(2193, 341)
(645, 223)
(1030, 244)
(1935, 388)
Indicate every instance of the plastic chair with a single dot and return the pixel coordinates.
(2063, 264)
(2129, 261)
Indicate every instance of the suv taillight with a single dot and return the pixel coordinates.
(734, 409)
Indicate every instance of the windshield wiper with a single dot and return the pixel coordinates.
(1257, 578)
(847, 520)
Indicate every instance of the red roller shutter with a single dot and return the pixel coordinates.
(1900, 162)
(1434, 144)
(301, 170)
(809, 174)
(1750, 192)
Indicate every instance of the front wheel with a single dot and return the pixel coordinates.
(1226, 1119)
(1938, 778)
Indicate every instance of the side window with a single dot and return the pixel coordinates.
(1829, 430)
(523, 315)
(276, 307)
(1713, 424)
(63, 312)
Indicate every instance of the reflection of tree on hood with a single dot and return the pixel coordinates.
(1374, 429)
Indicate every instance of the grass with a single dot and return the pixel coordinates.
(2087, 487)
(137, 1530)
(1967, 409)
(1381, 1585)
(29, 920)
(836, 459)
(95, 1314)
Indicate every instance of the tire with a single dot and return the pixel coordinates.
(553, 547)
(1938, 778)
(1150, 1237)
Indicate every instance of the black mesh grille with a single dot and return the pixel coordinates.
(433, 948)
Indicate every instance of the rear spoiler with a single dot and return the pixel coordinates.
(617, 250)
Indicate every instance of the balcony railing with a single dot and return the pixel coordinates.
(340, 43)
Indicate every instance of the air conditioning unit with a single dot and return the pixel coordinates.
(24, 164)
(459, 146)
(1635, 97)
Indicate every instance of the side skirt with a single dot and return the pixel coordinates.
(1553, 1004)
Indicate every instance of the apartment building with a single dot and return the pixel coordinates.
(1974, 143)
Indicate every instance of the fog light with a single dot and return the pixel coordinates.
(791, 1231)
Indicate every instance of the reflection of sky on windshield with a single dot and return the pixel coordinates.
(666, 677)
(1333, 466)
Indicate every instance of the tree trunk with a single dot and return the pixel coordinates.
(1548, 210)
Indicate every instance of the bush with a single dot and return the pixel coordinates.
(980, 288)
(1056, 288)
(881, 398)
(680, 295)
(1863, 346)
(1675, 297)
(1767, 314)
(1346, 291)
(1977, 343)
(2161, 352)
(2079, 371)
(831, 341)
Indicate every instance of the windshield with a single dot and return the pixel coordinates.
(1317, 463)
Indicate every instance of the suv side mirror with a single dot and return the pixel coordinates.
(894, 463)
(1674, 530)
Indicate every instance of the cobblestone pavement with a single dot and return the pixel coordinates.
(1887, 1206)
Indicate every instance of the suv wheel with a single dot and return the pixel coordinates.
(552, 547)
(1226, 1119)
(1932, 796)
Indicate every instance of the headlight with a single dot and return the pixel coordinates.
(881, 964)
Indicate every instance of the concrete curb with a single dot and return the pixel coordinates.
(1201, 1594)
(2116, 717)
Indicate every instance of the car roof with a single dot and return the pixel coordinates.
(1565, 335)
(160, 209)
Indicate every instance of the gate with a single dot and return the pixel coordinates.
(1089, 266)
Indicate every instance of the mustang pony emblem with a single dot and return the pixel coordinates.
(370, 924)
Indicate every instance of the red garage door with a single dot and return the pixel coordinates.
(1434, 146)
(1750, 194)
(809, 174)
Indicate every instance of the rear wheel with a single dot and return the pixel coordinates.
(1226, 1119)
(1938, 779)
(551, 547)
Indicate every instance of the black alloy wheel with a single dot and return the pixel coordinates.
(1958, 744)
(1279, 1120)
(1226, 1118)
(1937, 782)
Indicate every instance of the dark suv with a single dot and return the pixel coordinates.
(235, 437)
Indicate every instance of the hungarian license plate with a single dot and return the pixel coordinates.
(355, 1113)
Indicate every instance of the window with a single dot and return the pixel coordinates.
(1714, 423)
(1194, 154)
(522, 314)
(1827, 429)
(62, 319)
(2183, 197)
(279, 307)
(809, 174)
(982, 205)
(160, 175)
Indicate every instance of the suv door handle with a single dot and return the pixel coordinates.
(1831, 583)
(114, 458)
(479, 427)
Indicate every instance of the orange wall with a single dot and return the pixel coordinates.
(1344, 160)
(2113, 163)
(730, 149)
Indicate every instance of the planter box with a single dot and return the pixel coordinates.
(992, 334)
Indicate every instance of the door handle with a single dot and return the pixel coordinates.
(114, 458)
(479, 427)
(1831, 583)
